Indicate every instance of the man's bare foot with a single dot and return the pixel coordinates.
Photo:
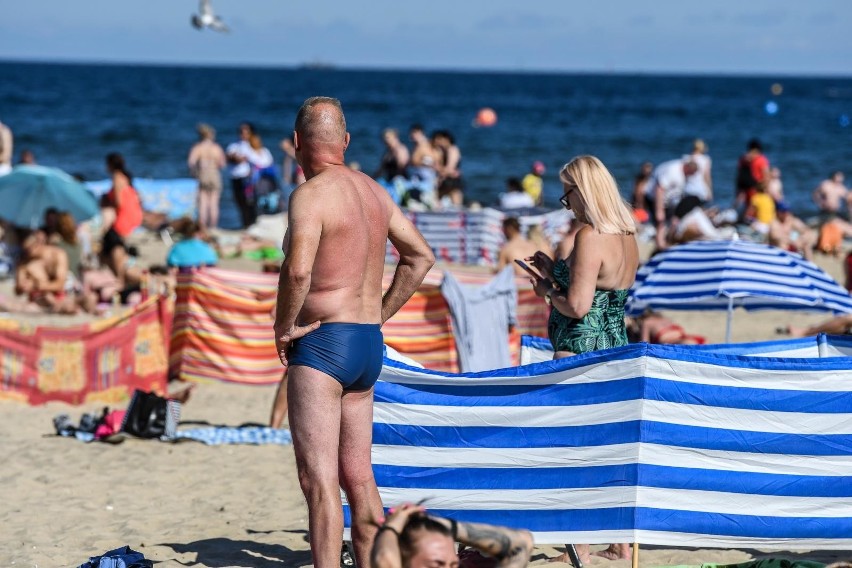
(615, 552)
(582, 553)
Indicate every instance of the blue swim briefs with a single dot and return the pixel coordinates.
(351, 353)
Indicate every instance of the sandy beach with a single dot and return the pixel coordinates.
(189, 504)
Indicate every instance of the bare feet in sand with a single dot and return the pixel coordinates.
(582, 553)
(619, 551)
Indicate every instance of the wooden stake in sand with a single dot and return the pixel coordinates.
(635, 555)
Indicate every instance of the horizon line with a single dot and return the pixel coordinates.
(319, 65)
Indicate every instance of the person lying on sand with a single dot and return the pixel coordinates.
(411, 538)
(652, 327)
(838, 325)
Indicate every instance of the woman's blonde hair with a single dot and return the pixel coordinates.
(699, 146)
(205, 131)
(604, 208)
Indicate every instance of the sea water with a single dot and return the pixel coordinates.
(71, 116)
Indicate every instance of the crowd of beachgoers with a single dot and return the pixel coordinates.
(69, 266)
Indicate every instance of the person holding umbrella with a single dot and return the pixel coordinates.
(587, 291)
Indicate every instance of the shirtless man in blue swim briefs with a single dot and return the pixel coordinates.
(327, 326)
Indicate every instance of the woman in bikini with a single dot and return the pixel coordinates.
(588, 289)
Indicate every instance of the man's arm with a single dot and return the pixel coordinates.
(304, 230)
(415, 260)
(402, 155)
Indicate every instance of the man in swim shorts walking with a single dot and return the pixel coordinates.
(327, 325)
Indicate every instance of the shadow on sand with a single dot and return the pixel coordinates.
(226, 552)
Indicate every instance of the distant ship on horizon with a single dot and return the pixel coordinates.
(317, 65)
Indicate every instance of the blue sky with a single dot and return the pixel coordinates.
(686, 36)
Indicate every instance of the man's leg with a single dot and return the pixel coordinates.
(315, 400)
(356, 471)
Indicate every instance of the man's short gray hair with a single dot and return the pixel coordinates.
(318, 124)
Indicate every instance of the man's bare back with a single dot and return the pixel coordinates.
(831, 195)
(518, 248)
(353, 212)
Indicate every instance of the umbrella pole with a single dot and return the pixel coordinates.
(635, 555)
(730, 319)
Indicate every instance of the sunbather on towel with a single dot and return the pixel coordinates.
(838, 325)
(652, 327)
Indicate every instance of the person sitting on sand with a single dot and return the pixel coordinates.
(831, 235)
(653, 327)
(790, 233)
(516, 247)
(66, 239)
(515, 196)
(838, 325)
(43, 276)
(411, 538)
(192, 251)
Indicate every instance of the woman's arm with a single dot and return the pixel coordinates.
(192, 159)
(585, 266)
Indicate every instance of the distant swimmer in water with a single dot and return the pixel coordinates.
(207, 19)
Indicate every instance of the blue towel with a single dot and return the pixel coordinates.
(122, 557)
(216, 435)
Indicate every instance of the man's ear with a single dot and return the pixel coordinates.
(346, 142)
(296, 142)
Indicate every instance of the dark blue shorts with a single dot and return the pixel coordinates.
(351, 353)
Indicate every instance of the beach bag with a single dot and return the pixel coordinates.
(123, 557)
(151, 416)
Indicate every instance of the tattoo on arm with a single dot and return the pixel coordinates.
(508, 546)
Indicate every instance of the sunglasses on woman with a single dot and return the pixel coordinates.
(564, 199)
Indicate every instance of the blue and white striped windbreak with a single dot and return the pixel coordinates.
(643, 443)
(722, 275)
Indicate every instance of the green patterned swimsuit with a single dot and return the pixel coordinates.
(603, 327)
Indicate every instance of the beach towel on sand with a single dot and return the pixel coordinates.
(122, 557)
(217, 435)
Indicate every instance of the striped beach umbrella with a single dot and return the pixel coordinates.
(723, 275)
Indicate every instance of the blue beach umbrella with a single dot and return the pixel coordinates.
(28, 191)
(723, 275)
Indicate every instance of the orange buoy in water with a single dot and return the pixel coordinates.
(486, 117)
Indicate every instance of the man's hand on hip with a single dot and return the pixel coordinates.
(283, 338)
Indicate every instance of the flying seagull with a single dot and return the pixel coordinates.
(207, 19)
